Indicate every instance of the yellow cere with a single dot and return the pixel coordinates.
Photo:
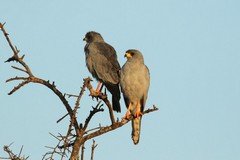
(128, 55)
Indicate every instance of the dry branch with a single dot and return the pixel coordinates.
(13, 156)
(101, 96)
(93, 148)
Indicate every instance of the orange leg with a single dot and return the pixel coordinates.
(138, 113)
(98, 86)
(128, 114)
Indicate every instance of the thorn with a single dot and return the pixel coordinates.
(80, 125)
(22, 56)
(17, 49)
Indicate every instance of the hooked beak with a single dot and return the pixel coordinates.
(128, 55)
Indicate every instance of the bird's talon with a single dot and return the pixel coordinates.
(138, 114)
(127, 116)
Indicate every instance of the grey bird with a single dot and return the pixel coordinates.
(102, 63)
(135, 81)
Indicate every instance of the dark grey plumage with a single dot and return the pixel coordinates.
(101, 61)
(135, 81)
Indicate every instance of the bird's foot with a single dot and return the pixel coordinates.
(127, 116)
(94, 93)
(138, 114)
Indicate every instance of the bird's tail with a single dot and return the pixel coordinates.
(136, 127)
(116, 103)
(115, 91)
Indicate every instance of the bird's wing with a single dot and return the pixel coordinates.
(109, 52)
(104, 62)
(146, 74)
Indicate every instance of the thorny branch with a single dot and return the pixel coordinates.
(55, 150)
(101, 96)
(31, 78)
(82, 133)
(13, 156)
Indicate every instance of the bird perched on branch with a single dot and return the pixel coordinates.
(135, 81)
(102, 63)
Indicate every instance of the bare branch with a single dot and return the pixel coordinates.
(7, 38)
(93, 148)
(90, 130)
(13, 156)
(101, 96)
(55, 149)
(82, 153)
(18, 86)
(95, 110)
(20, 69)
(62, 118)
(17, 78)
(115, 125)
(70, 95)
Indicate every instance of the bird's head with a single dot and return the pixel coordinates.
(93, 37)
(134, 55)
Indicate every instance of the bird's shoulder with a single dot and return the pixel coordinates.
(102, 48)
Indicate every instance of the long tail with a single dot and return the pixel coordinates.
(116, 104)
(115, 91)
(136, 127)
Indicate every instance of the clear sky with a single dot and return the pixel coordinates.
(192, 49)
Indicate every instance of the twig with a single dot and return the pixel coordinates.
(70, 95)
(18, 86)
(82, 151)
(95, 110)
(62, 117)
(17, 78)
(8, 40)
(13, 156)
(54, 151)
(20, 69)
(93, 148)
(86, 132)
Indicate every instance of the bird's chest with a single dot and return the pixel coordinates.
(131, 80)
(89, 60)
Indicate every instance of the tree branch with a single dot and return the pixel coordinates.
(114, 126)
(96, 109)
(13, 156)
(93, 148)
(101, 96)
(34, 79)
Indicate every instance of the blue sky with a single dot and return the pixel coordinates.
(192, 51)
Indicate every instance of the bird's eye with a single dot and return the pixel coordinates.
(132, 53)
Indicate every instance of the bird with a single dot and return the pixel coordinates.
(102, 63)
(134, 82)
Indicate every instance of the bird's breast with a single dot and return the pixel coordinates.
(132, 81)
